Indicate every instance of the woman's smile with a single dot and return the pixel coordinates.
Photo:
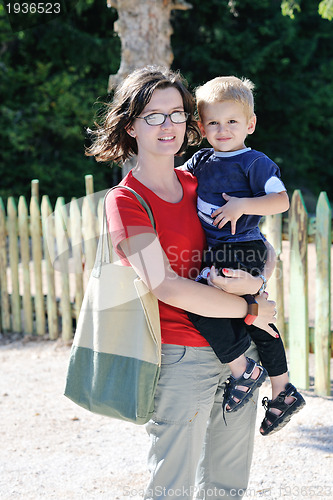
(168, 138)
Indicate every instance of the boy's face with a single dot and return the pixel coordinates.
(225, 125)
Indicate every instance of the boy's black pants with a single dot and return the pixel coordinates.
(230, 338)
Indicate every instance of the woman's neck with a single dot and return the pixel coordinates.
(160, 178)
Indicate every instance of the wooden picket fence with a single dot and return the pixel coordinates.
(301, 230)
(45, 260)
(46, 256)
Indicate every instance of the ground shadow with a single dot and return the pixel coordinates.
(319, 437)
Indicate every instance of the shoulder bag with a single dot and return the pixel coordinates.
(115, 358)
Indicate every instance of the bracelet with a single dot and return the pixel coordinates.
(263, 286)
(252, 309)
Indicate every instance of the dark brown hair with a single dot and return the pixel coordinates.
(111, 142)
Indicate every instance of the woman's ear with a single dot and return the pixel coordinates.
(130, 131)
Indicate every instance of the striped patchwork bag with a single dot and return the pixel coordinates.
(115, 358)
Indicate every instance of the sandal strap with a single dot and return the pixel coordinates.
(279, 402)
(245, 379)
(273, 422)
(271, 417)
(231, 392)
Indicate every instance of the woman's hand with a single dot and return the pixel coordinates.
(238, 282)
(266, 315)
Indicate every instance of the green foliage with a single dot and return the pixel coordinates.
(290, 62)
(51, 76)
(54, 76)
(288, 7)
(325, 9)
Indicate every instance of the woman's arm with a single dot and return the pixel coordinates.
(240, 282)
(150, 262)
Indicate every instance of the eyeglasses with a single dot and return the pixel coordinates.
(159, 118)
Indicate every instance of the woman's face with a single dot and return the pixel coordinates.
(160, 140)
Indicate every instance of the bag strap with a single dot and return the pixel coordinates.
(103, 253)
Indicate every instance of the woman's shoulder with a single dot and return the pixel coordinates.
(186, 177)
(123, 196)
(125, 188)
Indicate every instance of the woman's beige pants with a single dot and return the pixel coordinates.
(194, 453)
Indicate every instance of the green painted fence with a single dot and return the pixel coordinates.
(46, 255)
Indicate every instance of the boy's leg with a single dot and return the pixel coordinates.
(229, 340)
(234, 340)
(279, 384)
(228, 337)
(225, 463)
(270, 349)
(247, 376)
(273, 357)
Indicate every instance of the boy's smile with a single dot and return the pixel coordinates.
(225, 125)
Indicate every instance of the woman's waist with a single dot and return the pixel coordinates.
(176, 328)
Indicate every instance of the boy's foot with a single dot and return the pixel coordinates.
(238, 391)
(280, 410)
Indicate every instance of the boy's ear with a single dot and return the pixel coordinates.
(252, 124)
(202, 130)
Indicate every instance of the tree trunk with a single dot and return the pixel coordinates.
(145, 30)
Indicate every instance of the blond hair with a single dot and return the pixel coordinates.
(226, 88)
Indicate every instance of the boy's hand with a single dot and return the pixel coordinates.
(231, 211)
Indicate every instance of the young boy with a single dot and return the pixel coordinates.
(247, 184)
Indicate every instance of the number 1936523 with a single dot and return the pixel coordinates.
(33, 8)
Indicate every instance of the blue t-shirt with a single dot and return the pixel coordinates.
(245, 174)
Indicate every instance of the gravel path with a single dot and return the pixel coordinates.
(51, 448)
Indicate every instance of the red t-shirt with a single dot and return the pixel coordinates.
(181, 237)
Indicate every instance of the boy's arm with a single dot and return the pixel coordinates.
(268, 204)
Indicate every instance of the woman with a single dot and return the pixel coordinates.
(194, 453)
